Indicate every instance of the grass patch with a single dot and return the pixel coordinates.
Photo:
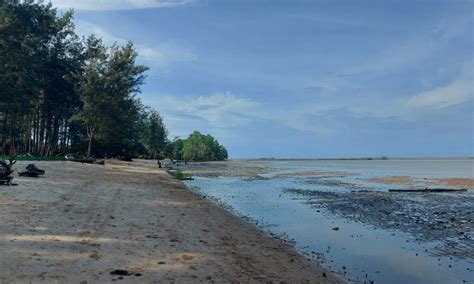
(179, 174)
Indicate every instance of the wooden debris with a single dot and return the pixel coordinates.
(6, 171)
(32, 171)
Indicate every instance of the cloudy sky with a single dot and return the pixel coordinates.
(303, 78)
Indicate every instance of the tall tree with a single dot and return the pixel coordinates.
(108, 87)
(38, 50)
(91, 85)
(154, 135)
(58, 92)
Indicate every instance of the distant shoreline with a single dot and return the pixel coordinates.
(352, 159)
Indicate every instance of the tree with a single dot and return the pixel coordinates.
(122, 115)
(61, 93)
(199, 147)
(154, 134)
(108, 86)
(38, 50)
(91, 85)
(174, 150)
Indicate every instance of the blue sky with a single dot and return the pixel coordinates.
(303, 78)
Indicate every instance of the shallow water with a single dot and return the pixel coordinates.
(360, 251)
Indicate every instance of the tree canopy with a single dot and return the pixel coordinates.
(199, 147)
(38, 50)
(60, 93)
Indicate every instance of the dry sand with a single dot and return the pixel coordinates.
(79, 222)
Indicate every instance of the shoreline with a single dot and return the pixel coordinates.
(79, 223)
(375, 158)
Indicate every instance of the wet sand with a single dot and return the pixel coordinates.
(465, 183)
(79, 223)
(443, 218)
(317, 174)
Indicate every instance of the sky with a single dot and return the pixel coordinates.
(303, 79)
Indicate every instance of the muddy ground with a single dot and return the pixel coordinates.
(444, 217)
(447, 218)
(132, 222)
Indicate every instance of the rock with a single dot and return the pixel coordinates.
(121, 272)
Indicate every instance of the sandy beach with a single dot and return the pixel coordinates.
(79, 223)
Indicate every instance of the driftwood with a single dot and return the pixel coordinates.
(429, 190)
(6, 171)
(32, 171)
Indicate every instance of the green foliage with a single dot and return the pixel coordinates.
(199, 147)
(174, 150)
(61, 94)
(178, 174)
(38, 50)
(154, 135)
(111, 113)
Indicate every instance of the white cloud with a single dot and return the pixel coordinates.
(424, 43)
(104, 5)
(160, 56)
(459, 91)
(223, 111)
(165, 54)
(220, 110)
(87, 28)
(397, 54)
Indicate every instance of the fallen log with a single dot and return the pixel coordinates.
(32, 171)
(429, 190)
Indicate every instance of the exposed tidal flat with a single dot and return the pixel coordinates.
(341, 213)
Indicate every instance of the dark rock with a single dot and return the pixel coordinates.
(121, 272)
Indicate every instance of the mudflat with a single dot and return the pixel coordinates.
(132, 222)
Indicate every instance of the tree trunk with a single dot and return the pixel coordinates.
(89, 148)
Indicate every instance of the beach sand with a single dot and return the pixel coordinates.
(80, 222)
